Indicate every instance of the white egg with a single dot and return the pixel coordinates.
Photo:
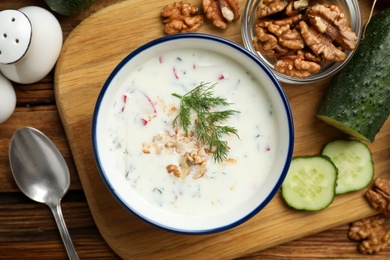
(7, 99)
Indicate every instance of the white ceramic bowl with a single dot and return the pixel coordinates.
(117, 146)
(352, 13)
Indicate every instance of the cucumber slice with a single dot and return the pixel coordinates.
(310, 183)
(353, 160)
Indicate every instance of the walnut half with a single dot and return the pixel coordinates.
(297, 65)
(379, 196)
(269, 7)
(372, 234)
(181, 17)
(330, 20)
(221, 12)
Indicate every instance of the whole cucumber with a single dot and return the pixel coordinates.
(69, 7)
(358, 99)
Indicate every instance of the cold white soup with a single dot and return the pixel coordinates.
(173, 170)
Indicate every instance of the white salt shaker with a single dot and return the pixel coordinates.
(30, 43)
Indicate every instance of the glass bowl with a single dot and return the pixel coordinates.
(352, 12)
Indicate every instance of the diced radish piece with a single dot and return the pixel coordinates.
(124, 102)
(150, 102)
(222, 76)
(175, 73)
(144, 122)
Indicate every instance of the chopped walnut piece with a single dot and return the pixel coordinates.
(170, 144)
(221, 12)
(171, 168)
(184, 166)
(192, 158)
(172, 110)
(379, 196)
(231, 160)
(371, 231)
(181, 17)
(198, 174)
(158, 148)
(321, 44)
(329, 19)
(195, 157)
(297, 65)
(268, 7)
(208, 151)
(146, 148)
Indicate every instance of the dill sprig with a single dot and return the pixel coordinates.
(208, 128)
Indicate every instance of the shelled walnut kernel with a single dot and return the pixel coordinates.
(371, 231)
(316, 33)
(372, 234)
(221, 12)
(379, 196)
(181, 17)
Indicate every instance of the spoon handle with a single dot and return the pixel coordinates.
(57, 212)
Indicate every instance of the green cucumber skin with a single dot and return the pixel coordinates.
(359, 95)
(350, 145)
(69, 7)
(320, 205)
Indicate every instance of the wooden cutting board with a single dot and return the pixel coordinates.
(92, 51)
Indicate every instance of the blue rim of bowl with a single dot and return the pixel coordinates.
(233, 45)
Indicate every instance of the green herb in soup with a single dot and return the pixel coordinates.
(208, 128)
(168, 165)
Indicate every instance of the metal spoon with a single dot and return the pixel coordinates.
(41, 173)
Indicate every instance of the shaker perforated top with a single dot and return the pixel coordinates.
(15, 35)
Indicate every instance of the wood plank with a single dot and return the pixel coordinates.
(15, 243)
(331, 244)
(28, 230)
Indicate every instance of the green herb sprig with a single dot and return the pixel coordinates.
(208, 128)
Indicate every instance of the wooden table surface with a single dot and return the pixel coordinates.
(28, 229)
